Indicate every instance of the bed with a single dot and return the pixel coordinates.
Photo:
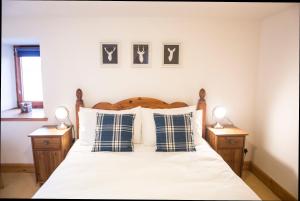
(144, 173)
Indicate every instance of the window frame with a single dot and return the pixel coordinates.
(19, 84)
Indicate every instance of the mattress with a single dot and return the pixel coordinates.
(145, 174)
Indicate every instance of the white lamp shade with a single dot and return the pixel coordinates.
(61, 113)
(219, 112)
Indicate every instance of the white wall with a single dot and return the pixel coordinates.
(276, 140)
(222, 62)
(8, 81)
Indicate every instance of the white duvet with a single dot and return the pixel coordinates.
(145, 174)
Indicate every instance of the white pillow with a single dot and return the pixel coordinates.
(148, 123)
(88, 120)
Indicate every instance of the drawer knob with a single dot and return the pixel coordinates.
(231, 141)
(46, 142)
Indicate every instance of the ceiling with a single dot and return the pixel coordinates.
(249, 11)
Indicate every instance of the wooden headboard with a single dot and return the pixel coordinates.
(144, 102)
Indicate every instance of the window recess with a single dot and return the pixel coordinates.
(28, 75)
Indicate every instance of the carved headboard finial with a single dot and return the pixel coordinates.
(202, 94)
(79, 94)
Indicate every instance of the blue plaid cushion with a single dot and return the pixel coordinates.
(174, 133)
(114, 132)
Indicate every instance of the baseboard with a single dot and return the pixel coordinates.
(270, 183)
(247, 165)
(17, 167)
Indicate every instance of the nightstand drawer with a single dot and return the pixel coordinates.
(230, 142)
(46, 142)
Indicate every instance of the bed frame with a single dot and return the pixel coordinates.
(144, 102)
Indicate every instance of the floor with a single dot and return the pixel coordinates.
(23, 185)
(258, 186)
(18, 185)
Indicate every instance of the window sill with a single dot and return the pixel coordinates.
(16, 115)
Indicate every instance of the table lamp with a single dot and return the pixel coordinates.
(219, 113)
(61, 114)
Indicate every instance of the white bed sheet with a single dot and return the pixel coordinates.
(145, 174)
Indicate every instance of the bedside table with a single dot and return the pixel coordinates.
(49, 146)
(229, 143)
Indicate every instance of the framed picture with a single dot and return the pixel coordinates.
(171, 54)
(141, 54)
(109, 54)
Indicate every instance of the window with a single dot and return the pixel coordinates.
(28, 75)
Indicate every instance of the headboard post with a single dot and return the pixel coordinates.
(202, 106)
(79, 103)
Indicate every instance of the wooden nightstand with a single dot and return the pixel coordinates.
(229, 143)
(49, 147)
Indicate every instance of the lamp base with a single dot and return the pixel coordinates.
(62, 126)
(218, 126)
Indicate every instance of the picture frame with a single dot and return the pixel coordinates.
(109, 54)
(141, 54)
(171, 54)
